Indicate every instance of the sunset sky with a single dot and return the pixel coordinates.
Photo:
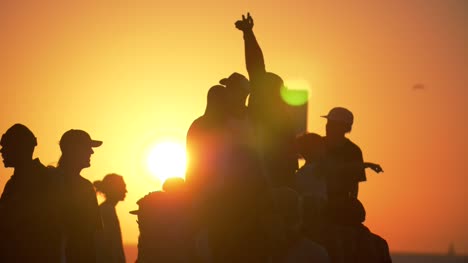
(135, 73)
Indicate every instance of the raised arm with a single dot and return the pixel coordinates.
(253, 53)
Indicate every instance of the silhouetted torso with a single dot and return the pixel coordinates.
(110, 248)
(371, 248)
(29, 224)
(81, 218)
(165, 228)
(206, 139)
(341, 181)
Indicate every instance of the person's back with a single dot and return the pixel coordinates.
(29, 225)
(81, 218)
(342, 176)
(371, 248)
(109, 245)
(165, 225)
(206, 139)
(29, 219)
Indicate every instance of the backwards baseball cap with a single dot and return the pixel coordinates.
(77, 137)
(236, 79)
(340, 114)
(18, 135)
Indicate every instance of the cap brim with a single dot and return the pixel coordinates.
(224, 81)
(324, 116)
(134, 212)
(96, 143)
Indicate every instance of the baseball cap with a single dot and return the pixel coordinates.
(18, 134)
(77, 137)
(236, 79)
(340, 114)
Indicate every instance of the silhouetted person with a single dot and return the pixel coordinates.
(349, 240)
(29, 226)
(271, 117)
(344, 156)
(164, 221)
(109, 240)
(80, 207)
(206, 139)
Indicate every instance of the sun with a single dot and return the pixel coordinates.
(167, 159)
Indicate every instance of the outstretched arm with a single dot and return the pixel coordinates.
(357, 166)
(253, 53)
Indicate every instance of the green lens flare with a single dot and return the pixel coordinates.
(294, 97)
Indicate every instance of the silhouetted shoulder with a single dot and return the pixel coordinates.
(196, 125)
(86, 182)
(382, 246)
(202, 124)
(352, 147)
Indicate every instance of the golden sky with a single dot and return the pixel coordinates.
(133, 73)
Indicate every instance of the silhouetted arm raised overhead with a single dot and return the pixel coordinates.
(253, 53)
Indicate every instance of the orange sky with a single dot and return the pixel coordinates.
(133, 73)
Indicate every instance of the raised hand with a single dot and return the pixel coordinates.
(246, 23)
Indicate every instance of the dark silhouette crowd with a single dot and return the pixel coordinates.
(244, 199)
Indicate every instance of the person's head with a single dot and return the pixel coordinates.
(18, 144)
(310, 146)
(274, 84)
(113, 187)
(216, 101)
(77, 147)
(238, 88)
(173, 185)
(339, 122)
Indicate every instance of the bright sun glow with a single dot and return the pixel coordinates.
(167, 159)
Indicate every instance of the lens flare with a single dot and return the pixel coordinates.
(295, 92)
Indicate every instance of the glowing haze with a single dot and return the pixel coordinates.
(132, 73)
